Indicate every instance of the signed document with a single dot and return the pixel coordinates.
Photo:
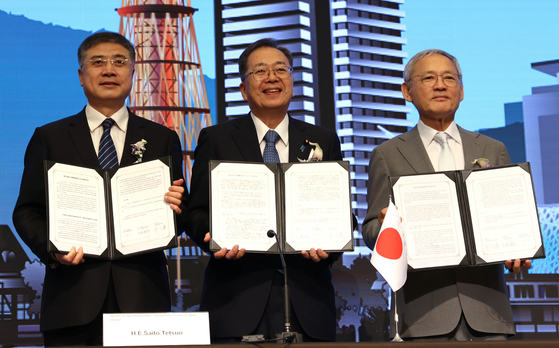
(307, 204)
(243, 206)
(110, 213)
(431, 219)
(504, 215)
(469, 217)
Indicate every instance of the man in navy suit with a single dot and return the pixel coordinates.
(464, 303)
(243, 292)
(78, 290)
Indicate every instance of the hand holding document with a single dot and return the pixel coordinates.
(307, 204)
(469, 217)
(110, 213)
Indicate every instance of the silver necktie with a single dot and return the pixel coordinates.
(446, 158)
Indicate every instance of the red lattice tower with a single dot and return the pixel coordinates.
(169, 84)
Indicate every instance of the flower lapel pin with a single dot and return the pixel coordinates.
(482, 162)
(315, 154)
(138, 150)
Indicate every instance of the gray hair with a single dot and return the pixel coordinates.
(427, 53)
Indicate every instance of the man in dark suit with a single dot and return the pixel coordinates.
(78, 290)
(243, 292)
(454, 303)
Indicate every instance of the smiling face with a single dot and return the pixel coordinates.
(270, 97)
(437, 104)
(106, 88)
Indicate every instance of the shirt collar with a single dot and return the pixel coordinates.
(427, 133)
(95, 118)
(261, 129)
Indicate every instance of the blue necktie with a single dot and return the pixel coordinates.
(107, 152)
(270, 153)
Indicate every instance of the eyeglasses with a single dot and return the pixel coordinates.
(430, 79)
(262, 73)
(100, 62)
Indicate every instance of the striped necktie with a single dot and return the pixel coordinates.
(107, 151)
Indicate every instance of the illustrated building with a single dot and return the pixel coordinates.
(541, 121)
(294, 25)
(348, 68)
(535, 305)
(368, 72)
(18, 326)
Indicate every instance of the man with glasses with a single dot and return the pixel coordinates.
(453, 303)
(243, 292)
(77, 290)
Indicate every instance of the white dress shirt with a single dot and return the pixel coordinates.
(282, 129)
(118, 131)
(433, 148)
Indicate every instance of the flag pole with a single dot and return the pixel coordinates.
(389, 256)
(397, 337)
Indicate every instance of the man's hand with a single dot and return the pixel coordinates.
(315, 254)
(73, 258)
(233, 254)
(516, 264)
(174, 196)
(382, 215)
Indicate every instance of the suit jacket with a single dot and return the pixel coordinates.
(432, 301)
(74, 295)
(236, 292)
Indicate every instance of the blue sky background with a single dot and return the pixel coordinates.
(495, 42)
(101, 14)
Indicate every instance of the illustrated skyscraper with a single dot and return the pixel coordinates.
(291, 23)
(348, 68)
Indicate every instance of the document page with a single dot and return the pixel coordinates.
(504, 214)
(76, 209)
(430, 214)
(243, 206)
(142, 218)
(317, 206)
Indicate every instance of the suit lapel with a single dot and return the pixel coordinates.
(412, 149)
(296, 138)
(134, 133)
(78, 129)
(246, 139)
(472, 147)
(414, 152)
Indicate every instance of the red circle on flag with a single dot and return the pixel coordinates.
(389, 244)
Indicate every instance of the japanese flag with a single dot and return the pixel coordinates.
(390, 257)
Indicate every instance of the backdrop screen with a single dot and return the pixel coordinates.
(500, 44)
